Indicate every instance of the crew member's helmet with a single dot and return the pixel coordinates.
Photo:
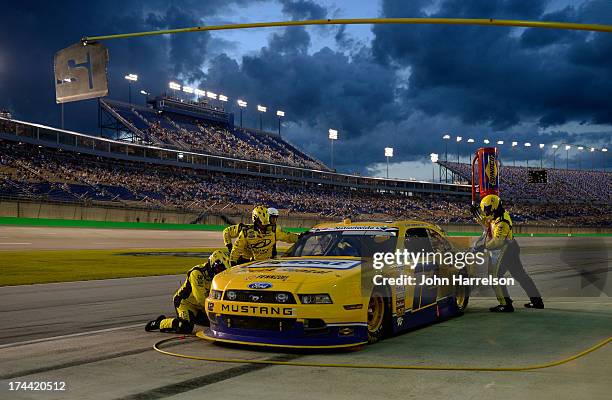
(261, 217)
(273, 215)
(219, 261)
(489, 204)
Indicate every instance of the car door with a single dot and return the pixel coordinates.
(417, 242)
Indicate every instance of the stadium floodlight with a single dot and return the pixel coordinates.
(527, 144)
(222, 97)
(261, 109)
(279, 114)
(555, 146)
(174, 86)
(241, 104)
(486, 141)
(434, 160)
(130, 78)
(604, 150)
(446, 137)
(187, 89)
(514, 144)
(470, 140)
(333, 135)
(500, 142)
(567, 147)
(541, 145)
(211, 95)
(388, 154)
(580, 148)
(592, 148)
(144, 92)
(200, 93)
(459, 138)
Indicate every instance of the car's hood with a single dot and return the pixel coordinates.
(290, 274)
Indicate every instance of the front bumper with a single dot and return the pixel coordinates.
(295, 331)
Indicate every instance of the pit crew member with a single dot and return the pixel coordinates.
(290, 237)
(506, 251)
(189, 300)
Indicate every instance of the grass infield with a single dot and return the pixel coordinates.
(46, 266)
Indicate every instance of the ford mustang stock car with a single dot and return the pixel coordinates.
(316, 296)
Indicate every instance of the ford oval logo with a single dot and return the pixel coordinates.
(260, 285)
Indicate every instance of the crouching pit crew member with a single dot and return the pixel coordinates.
(501, 241)
(189, 300)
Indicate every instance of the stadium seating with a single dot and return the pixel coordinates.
(27, 171)
(564, 186)
(192, 134)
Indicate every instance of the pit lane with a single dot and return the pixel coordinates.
(90, 334)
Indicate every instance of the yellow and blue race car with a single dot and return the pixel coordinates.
(324, 293)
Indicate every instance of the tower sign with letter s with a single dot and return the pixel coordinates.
(80, 72)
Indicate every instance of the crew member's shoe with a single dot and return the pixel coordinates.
(154, 325)
(536, 302)
(502, 308)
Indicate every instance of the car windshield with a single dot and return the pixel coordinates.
(351, 243)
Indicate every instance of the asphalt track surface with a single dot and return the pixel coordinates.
(90, 335)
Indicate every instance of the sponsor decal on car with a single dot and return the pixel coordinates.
(306, 263)
(258, 310)
(260, 285)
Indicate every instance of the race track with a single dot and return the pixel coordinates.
(90, 335)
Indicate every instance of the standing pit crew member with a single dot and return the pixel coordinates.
(502, 241)
(289, 237)
(258, 240)
(189, 300)
(232, 232)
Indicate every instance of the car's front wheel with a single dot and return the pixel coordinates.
(379, 315)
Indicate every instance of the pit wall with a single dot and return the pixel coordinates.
(27, 213)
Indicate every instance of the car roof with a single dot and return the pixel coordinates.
(408, 223)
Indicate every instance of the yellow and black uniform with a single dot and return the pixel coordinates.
(500, 242)
(189, 300)
(232, 232)
(283, 236)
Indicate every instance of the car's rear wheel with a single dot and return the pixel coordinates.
(378, 316)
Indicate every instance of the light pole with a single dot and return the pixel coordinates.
(199, 93)
(555, 147)
(241, 104)
(580, 148)
(593, 158)
(500, 142)
(130, 78)
(434, 160)
(67, 80)
(528, 145)
(604, 153)
(333, 135)
(446, 139)
(514, 144)
(388, 154)
(188, 89)
(541, 155)
(146, 95)
(459, 138)
(279, 114)
(174, 86)
(567, 149)
(261, 109)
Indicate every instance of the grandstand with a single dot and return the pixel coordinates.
(563, 187)
(172, 123)
(46, 164)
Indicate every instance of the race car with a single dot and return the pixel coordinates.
(325, 293)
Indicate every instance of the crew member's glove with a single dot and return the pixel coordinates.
(229, 246)
(479, 248)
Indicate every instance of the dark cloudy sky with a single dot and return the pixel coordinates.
(387, 85)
